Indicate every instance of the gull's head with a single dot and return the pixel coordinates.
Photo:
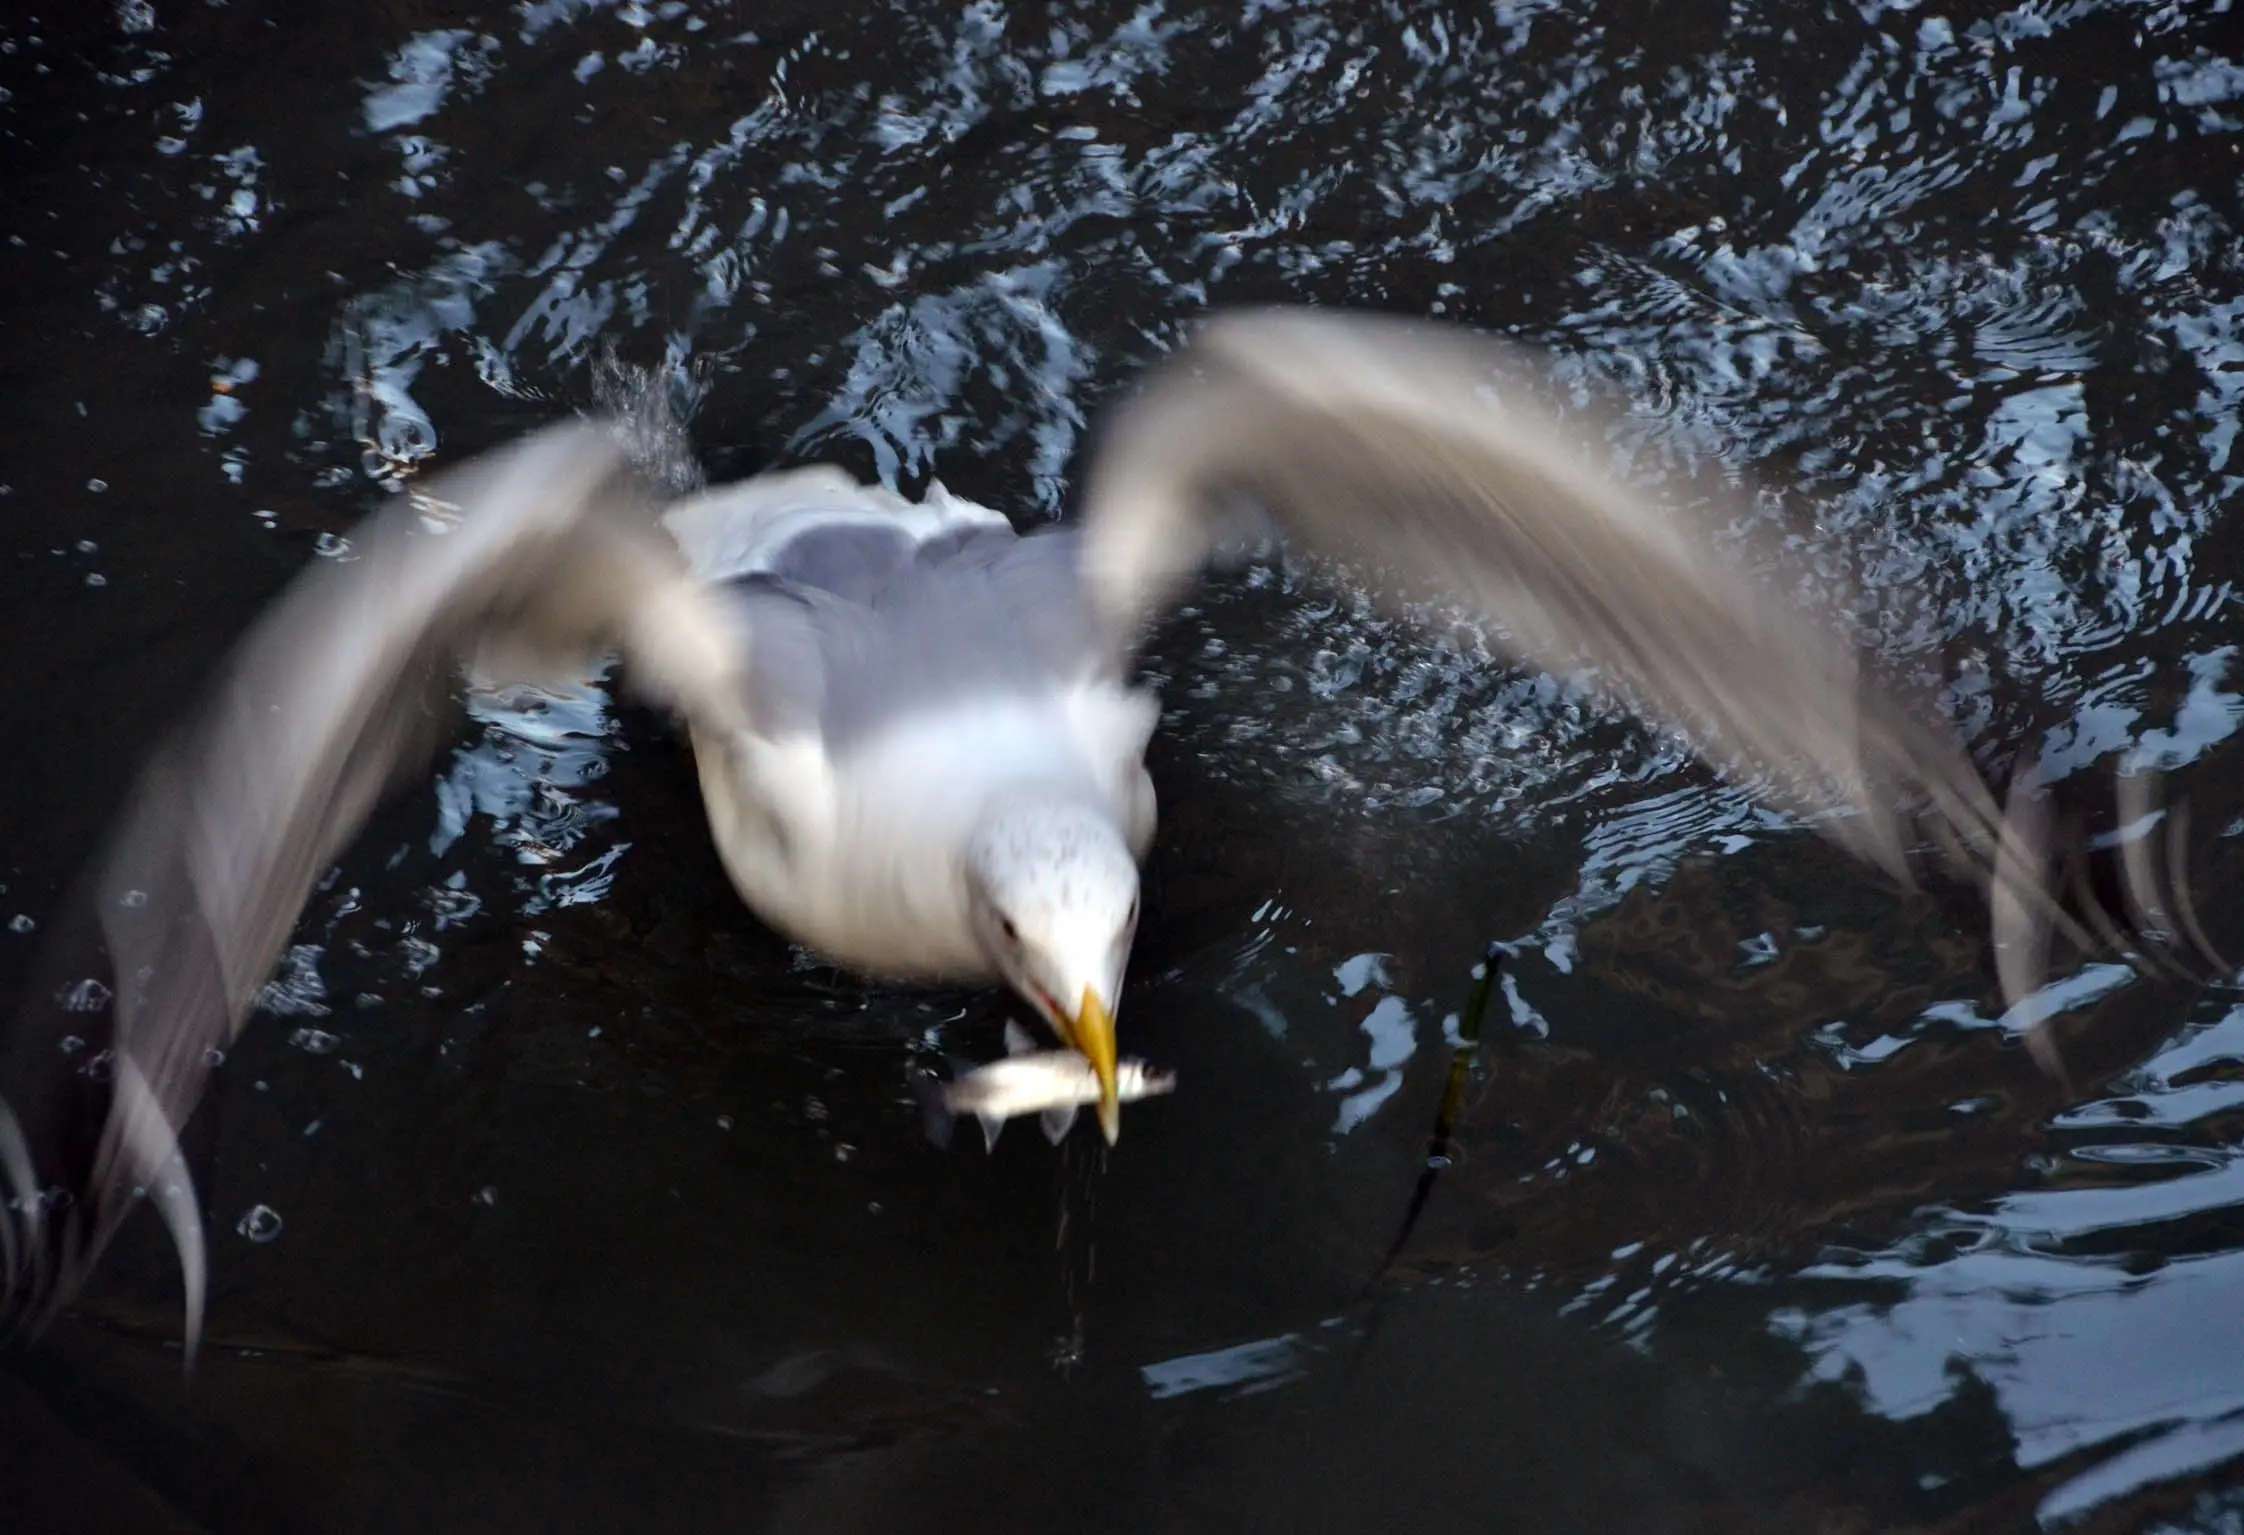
(1055, 900)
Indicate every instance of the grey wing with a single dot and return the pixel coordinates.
(979, 613)
(856, 625)
(1382, 442)
(866, 605)
(1031, 586)
(327, 699)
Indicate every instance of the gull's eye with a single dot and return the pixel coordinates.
(1012, 933)
(1132, 918)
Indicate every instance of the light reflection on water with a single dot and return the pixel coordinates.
(1964, 287)
(2085, 1308)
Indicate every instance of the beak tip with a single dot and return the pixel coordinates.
(1110, 1120)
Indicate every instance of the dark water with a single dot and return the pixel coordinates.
(554, 1193)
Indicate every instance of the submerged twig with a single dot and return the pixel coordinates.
(1461, 1059)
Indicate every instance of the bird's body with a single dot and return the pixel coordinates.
(844, 812)
(861, 858)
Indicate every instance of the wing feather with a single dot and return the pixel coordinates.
(547, 546)
(1419, 454)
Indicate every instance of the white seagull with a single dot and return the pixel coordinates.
(919, 741)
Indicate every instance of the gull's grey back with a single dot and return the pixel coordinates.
(864, 608)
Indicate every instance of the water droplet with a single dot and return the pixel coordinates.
(86, 996)
(313, 1128)
(97, 486)
(88, 546)
(332, 546)
(19, 923)
(214, 1057)
(487, 1195)
(843, 1151)
(96, 578)
(314, 1041)
(71, 1044)
(724, 1121)
(872, 1207)
(358, 1072)
(260, 1224)
(133, 899)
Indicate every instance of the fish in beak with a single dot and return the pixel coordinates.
(1051, 1084)
(1091, 1032)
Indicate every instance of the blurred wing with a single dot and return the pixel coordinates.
(545, 546)
(1384, 443)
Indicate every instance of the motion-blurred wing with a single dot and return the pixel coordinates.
(544, 549)
(1419, 454)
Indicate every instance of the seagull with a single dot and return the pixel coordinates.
(918, 735)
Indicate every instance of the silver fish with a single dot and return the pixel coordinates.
(1051, 1084)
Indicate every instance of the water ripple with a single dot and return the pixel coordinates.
(1972, 308)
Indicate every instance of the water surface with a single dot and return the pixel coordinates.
(553, 1192)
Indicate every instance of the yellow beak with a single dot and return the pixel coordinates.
(1091, 1032)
